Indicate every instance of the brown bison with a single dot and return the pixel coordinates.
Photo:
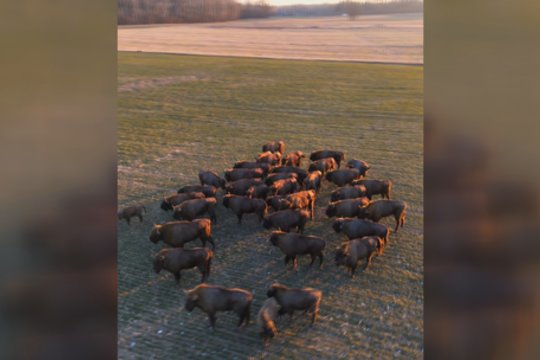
(176, 260)
(131, 211)
(351, 252)
(192, 209)
(266, 319)
(272, 178)
(269, 158)
(346, 208)
(286, 220)
(274, 146)
(252, 165)
(313, 181)
(238, 174)
(258, 191)
(378, 209)
(376, 187)
(213, 298)
(342, 177)
(212, 179)
(349, 192)
(171, 201)
(323, 165)
(207, 190)
(294, 158)
(241, 187)
(359, 165)
(292, 299)
(303, 200)
(278, 202)
(177, 233)
(292, 245)
(339, 156)
(284, 187)
(301, 174)
(241, 205)
(358, 228)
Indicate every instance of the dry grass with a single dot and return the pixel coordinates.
(375, 38)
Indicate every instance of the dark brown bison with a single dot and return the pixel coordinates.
(176, 199)
(238, 174)
(378, 209)
(359, 165)
(286, 220)
(349, 192)
(303, 200)
(241, 187)
(274, 146)
(212, 298)
(278, 202)
(177, 233)
(284, 187)
(376, 187)
(252, 165)
(313, 181)
(241, 205)
(272, 178)
(292, 245)
(269, 158)
(258, 191)
(176, 260)
(294, 158)
(358, 228)
(351, 252)
(323, 165)
(342, 177)
(131, 211)
(266, 319)
(207, 190)
(346, 208)
(192, 209)
(292, 299)
(301, 174)
(339, 156)
(212, 179)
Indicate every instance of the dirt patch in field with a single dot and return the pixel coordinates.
(145, 84)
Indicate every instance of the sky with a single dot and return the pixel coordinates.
(294, 2)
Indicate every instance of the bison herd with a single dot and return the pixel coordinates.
(282, 195)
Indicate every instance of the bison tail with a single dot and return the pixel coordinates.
(389, 192)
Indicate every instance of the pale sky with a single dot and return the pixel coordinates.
(294, 2)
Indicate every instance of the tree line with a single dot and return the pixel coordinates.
(352, 8)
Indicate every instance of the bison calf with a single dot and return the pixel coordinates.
(176, 260)
(131, 211)
(292, 299)
(192, 209)
(213, 298)
(212, 179)
(378, 209)
(286, 220)
(351, 252)
(293, 245)
(346, 208)
(241, 205)
(266, 319)
(177, 233)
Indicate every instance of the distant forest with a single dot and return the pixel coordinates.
(191, 11)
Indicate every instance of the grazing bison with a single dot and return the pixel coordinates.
(269, 158)
(292, 299)
(213, 298)
(207, 190)
(274, 146)
(342, 177)
(241, 205)
(376, 187)
(292, 245)
(170, 202)
(284, 187)
(278, 202)
(313, 181)
(294, 158)
(238, 174)
(258, 191)
(286, 220)
(357, 228)
(252, 165)
(351, 252)
(378, 209)
(272, 178)
(323, 165)
(176, 260)
(241, 187)
(339, 156)
(192, 209)
(303, 200)
(177, 233)
(131, 211)
(266, 319)
(359, 165)
(349, 192)
(346, 208)
(212, 179)
(300, 173)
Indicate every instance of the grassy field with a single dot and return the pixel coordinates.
(393, 38)
(179, 114)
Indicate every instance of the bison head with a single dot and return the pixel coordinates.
(165, 205)
(274, 237)
(267, 223)
(155, 235)
(331, 210)
(363, 212)
(177, 213)
(338, 225)
(191, 301)
(341, 254)
(226, 200)
(158, 263)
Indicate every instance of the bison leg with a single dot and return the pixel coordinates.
(212, 318)
(140, 218)
(402, 220)
(313, 257)
(315, 314)
(320, 260)
(246, 314)
(210, 240)
(295, 262)
(368, 260)
(353, 268)
(128, 219)
(177, 277)
(398, 219)
(287, 258)
(239, 218)
(282, 311)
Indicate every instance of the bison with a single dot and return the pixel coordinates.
(346, 208)
(212, 179)
(241, 187)
(284, 187)
(278, 202)
(266, 319)
(286, 220)
(376, 187)
(238, 174)
(176, 260)
(323, 165)
(252, 165)
(303, 200)
(274, 146)
(241, 205)
(351, 252)
(292, 245)
(292, 299)
(313, 181)
(301, 174)
(294, 158)
(177, 233)
(359, 165)
(272, 178)
(213, 298)
(342, 177)
(269, 158)
(357, 228)
(378, 209)
(131, 211)
(192, 209)
(171, 201)
(339, 156)
(258, 191)
(207, 190)
(349, 192)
